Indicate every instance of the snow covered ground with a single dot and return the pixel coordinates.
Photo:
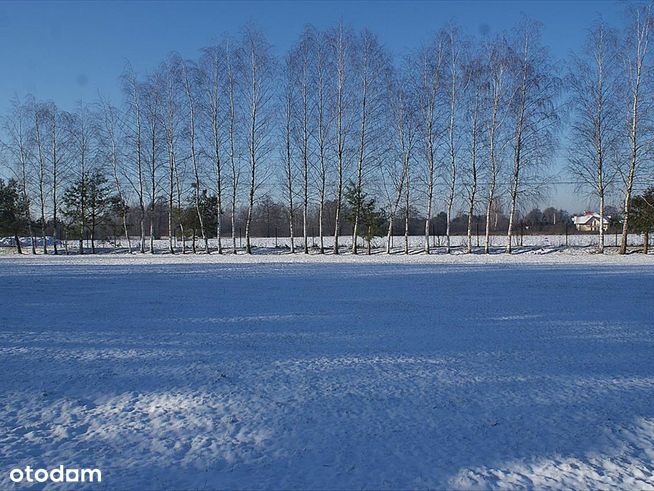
(573, 244)
(205, 372)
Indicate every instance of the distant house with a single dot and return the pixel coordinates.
(590, 222)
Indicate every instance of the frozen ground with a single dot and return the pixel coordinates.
(536, 244)
(207, 372)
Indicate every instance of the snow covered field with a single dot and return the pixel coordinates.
(573, 244)
(208, 372)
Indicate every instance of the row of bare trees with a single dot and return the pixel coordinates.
(460, 123)
(611, 95)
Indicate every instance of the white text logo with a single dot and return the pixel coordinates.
(58, 474)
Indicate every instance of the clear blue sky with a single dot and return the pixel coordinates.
(65, 51)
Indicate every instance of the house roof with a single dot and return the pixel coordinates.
(587, 218)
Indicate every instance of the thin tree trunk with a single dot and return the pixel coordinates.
(194, 158)
(321, 207)
(110, 126)
(514, 198)
(646, 242)
(42, 170)
(489, 206)
(82, 226)
(396, 204)
(305, 156)
(428, 218)
(322, 144)
(19, 249)
(430, 187)
(340, 108)
(451, 144)
(171, 199)
(368, 240)
(219, 210)
(172, 172)
(305, 203)
(642, 34)
(55, 180)
(23, 166)
(248, 220)
(432, 81)
(600, 246)
(235, 171)
(153, 183)
(93, 224)
(473, 175)
(471, 208)
(179, 207)
(253, 154)
(493, 172)
(83, 188)
(407, 208)
(139, 165)
(630, 176)
(214, 98)
(517, 162)
(289, 174)
(362, 143)
(233, 215)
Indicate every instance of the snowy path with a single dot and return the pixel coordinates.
(208, 374)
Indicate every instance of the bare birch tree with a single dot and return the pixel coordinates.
(594, 85)
(171, 127)
(109, 136)
(402, 120)
(407, 207)
(637, 68)
(476, 79)
(18, 147)
(428, 72)
(533, 113)
(154, 102)
(134, 125)
(341, 46)
(213, 66)
(57, 153)
(496, 100)
(189, 79)
(81, 137)
(287, 105)
(372, 68)
(258, 74)
(301, 72)
(455, 55)
(324, 66)
(232, 88)
(39, 115)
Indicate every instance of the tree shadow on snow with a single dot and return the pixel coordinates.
(373, 376)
